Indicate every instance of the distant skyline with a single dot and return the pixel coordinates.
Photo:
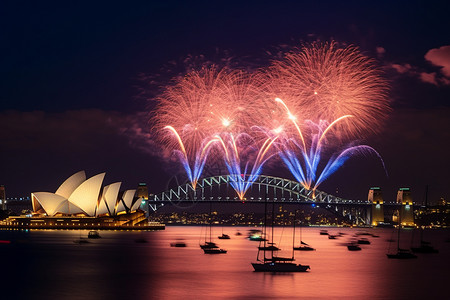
(77, 83)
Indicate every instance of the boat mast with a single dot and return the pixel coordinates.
(210, 221)
(399, 227)
(426, 204)
(273, 218)
(264, 234)
(293, 236)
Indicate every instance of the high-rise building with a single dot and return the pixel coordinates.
(406, 209)
(2, 197)
(142, 191)
(376, 197)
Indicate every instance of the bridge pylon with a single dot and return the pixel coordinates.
(376, 198)
(406, 209)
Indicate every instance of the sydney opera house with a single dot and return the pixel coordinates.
(82, 203)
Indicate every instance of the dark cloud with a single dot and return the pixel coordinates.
(39, 148)
(440, 57)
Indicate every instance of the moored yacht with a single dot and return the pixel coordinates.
(279, 264)
(224, 237)
(402, 254)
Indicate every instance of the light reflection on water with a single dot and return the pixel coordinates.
(48, 265)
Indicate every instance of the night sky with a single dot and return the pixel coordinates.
(77, 79)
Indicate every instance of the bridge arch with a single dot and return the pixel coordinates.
(265, 187)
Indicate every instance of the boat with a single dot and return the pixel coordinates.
(303, 246)
(401, 253)
(332, 237)
(224, 237)
(257, 238)
(353, 247)
(271, 247)
(238, 233)
(209, 247)
(93, 234)
(256, 235)
(323, 232)
(364, 241)
(214, 251)
(424, 246)
(274, 263)
(179, 244)
(274, 266)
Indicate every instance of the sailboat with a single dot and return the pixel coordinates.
(401, 253)
(209, 247)
(275, 263)
(224, 236)
(424, 247)
(303, 246)
(269, 246)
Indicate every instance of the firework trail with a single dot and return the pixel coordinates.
(302, 157)
(200, 157)
(241, 174)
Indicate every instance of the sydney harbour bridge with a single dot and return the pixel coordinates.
(282, 191)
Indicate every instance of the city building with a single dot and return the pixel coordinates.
(142, 191)
(2, 197)
(376, 197)
(406, 210)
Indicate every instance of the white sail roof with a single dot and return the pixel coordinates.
(112, 196)
(78, 195)
(136, 204)
(68, 208)
(102, 209)
(71, 183)
(35, 203)
(48, 201)
(86, 195)
(120, 207)
(127, 197)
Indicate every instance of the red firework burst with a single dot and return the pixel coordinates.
(321, 81)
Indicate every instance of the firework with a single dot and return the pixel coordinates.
(242, 171)
(302, 156)
(329, 94)
(324, 82)
(193, 171)
(197, 107)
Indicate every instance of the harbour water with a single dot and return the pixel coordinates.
(49, 265)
